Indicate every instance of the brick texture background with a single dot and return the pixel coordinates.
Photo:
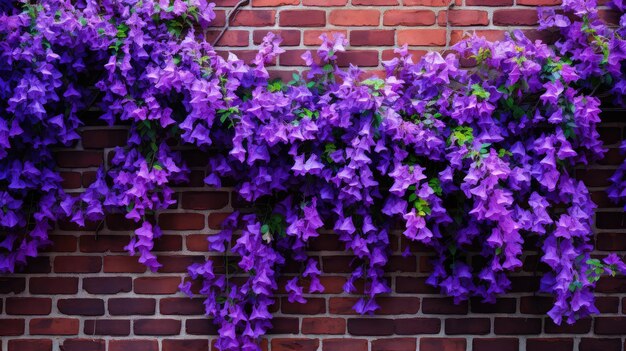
(85, 293)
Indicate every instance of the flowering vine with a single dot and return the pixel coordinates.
(452, 156)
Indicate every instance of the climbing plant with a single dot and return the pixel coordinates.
(473, 149)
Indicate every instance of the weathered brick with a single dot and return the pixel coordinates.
(351, 344)
(111, 327)
(28, 306)
(53, 285)
(156, 327)
(131, 306)
(157, 285)
(302, 18)
(81, 307)
(54, 326)
(107, 285)
(134, 345)
(299, 344)
(30, 345)
(354, 17)
(439, 344)
(323, 325)
(472, 326)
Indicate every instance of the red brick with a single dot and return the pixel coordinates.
(397, 344)
(11, 327)
(502, 305)
(302, 18)
(12, 285)
(312, 306)
(53, 326)
(517, 326)
(398, 305)
(422, 37)
(83, 345)
(35, 265)
(595, 177)
(560, 344)
(104, 138)
(489, 2)
(370, 326)
(53, 285)
(181, 221)
(134, 345)
(472, 326)
(181, 306)
(323, 325)
(103, 243)
(361, 58)
(77, 264)
(62, 243)
(539, 2)
(442, 344)
(79, 159)
(123, 264)
(610, 325)
(413, 326)
(215, 219)
(107, 285)
(593, 344)
(197, 242)
(436, 305)
(177, 264)
(131, 306)
(354, 17)
(500, 344)
(169, 243)
(110, 327)
(28, 306)
(71, 180)
(230, 38)
(342, 305)
(429, 3)
(284, 325)
(157, 285)
(608, 304)
(160, 326)
(325, 3)
(81, 307)
(298, 344)
(89, 177)
(372, 37)
(291, 37)
(351, 344)
(312, 36)
(463, 18)
(200, 327)
(273, 3)
(186, 345)
(408, 18)
(254, 18)
(536, 304)
(517, 17)
(117, 222)
(30, 345)
(582, 326)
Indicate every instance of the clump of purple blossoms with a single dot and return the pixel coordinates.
(449, 156)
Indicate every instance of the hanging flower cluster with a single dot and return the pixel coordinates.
(451, 157)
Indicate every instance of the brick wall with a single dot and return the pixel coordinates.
(373, 27)
(85, 293)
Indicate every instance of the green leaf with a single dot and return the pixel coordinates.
(479, 91)
(265, 228)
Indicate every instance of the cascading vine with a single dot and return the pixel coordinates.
(452, 156)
